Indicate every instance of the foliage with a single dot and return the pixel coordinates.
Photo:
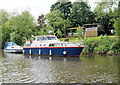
(43, 30)
(4, 31)
(115, 47)
(56, 21)
(63, 6)
(41, 21)
(4, 16)
(17, 27)
(106, 14)
(59, 33)
(117, 23)
(81, 14)
(80, 32)
(103, 44)
(117, 27)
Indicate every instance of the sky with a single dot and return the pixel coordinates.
(36, 7)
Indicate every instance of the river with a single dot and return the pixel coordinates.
(20, 68)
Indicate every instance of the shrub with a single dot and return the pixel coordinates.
(115, 47)
(102, 48)
(103, 43)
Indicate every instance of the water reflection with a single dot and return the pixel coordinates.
(46, 69)
(51, 58)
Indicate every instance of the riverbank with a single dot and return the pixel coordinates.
(101, 45)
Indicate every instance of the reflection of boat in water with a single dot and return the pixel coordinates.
(49, 58)
(13, 55)
(51, 46)
(12, 47)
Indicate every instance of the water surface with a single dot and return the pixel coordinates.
(19, 68)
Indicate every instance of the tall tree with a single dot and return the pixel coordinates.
(4, 16)
(56, 21)
(40, 21)
(81, 14)
(117, 23)
(19, 26)
(64, 6)
(105, 14)
(4, 32)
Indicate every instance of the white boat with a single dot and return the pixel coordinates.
(12, 47)
(50, 45)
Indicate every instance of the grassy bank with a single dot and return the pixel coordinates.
(101, 45)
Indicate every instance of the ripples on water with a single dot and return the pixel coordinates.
(17, 68)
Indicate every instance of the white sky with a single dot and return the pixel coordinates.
(36, 7)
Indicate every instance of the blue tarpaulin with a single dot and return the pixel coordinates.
(12, 43)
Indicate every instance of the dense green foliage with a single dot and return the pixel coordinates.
(56, 21)
(63, 6)
(103, 44)
(80, 32)
(117, 23)
(106, 15)
(64, 15)
(18, 28)
(81, 14)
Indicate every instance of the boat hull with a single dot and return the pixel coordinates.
(53, 51)
(13, 50)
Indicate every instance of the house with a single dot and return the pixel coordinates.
(91, 30)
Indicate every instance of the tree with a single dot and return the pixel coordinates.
(80, 32)
(4, 16)
(105, 14)
(117, 23)
(4, 32)
(56, 21)
(19, 26)
(64, 6)
(40, 21)
(81, 14)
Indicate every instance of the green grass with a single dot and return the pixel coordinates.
(72, 39)
(76, 39)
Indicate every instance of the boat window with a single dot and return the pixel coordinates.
(40, 44)
(51, 45)
(51, 38)
(12, 44)
(63, 45)
(58, 45)
(71, 44)
(41, 38)
(44, 44)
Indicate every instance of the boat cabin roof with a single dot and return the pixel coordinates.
(10, 44)
(46, 37)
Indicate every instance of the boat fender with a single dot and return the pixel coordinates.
(64, 52)
(39, 52)
(23, 51)
(30, 51)
(50, 52)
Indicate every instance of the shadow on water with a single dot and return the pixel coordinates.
(17, 68)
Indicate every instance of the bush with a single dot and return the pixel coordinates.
(115, 47)
(102, 44)
(102, 48)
